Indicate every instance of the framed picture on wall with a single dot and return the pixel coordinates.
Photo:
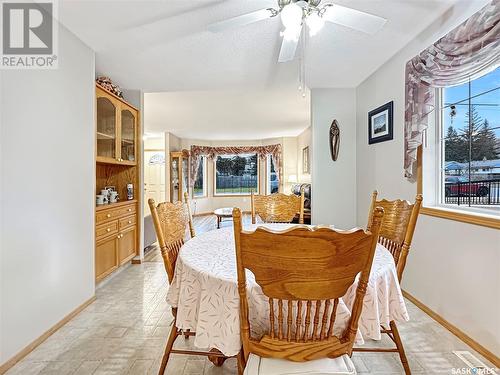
(305, 160)
(380, 124)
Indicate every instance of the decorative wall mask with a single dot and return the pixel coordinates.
(334, 140)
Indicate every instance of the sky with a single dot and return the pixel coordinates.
(478, 86)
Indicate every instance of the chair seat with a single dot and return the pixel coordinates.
(273, 366)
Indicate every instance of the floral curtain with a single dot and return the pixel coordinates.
(197, 152)
(460, 55)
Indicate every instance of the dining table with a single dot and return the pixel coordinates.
(205, 292)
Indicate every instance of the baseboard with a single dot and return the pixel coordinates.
(211, 213)
(28, 349)
(203, 214)
(455, 330)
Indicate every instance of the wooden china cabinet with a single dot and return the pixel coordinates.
(179, 174)
(117, 165)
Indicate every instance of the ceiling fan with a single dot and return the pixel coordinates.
(294, 13)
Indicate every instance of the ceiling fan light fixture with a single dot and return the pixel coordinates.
(292, 33)
(291, 16)
(315, 23)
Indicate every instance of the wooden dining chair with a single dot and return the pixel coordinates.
(303, 272)
(171, 222)
(278, 207)
(396, 234)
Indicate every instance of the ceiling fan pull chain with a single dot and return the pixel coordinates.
(303, 62)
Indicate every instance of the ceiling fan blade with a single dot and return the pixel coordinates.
(289, 44)
(355, 19)
(244, 19)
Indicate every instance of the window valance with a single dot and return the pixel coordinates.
(210, 152)
(463, 53)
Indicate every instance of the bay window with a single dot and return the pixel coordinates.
(236, 174)
(272, 180)
(200, 182)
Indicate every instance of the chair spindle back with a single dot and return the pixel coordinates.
(278, 207)
(303, 272)
(171, 221)
(398, 226)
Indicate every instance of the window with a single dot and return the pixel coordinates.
(272, 181)
(469, 146)
(236, 174)
(200, 183)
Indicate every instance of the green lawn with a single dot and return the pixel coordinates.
(243, 190)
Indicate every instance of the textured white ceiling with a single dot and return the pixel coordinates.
(227, 115)
(164, 46)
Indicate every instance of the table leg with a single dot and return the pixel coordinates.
(218, 360)
(218, 222)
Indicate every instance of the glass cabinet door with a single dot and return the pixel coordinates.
(127, 136)
(174, 178)
(185, 176)
(106, 128)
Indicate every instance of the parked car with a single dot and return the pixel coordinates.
(459, 185)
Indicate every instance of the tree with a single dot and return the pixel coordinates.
(455, 146)
(485, 143)
(471, 129)
(253, 161)
(224, 165)
(479, 135)
(238, 165)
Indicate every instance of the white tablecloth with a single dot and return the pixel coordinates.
(204, 290)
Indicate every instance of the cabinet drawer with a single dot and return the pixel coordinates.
(126, 222)
(114, 213)
(106, 229)
(125, 210)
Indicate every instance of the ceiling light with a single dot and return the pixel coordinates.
(315, 23)
(291, 16)
(292, 33)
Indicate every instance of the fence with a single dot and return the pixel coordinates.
(236, 184)
(485, 192)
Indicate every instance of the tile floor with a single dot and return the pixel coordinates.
(124, 332)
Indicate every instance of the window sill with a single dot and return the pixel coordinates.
(231, 195)
(489, 221)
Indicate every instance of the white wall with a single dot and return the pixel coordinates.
(47, 186)
(333, 183)
(453, 267)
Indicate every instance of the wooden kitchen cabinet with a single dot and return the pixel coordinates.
(118, 164)
(116, 236)
(116, 129)
(105, 256)
(126, 245)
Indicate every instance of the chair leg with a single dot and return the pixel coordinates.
(168, 349)
(241, 362)
(399, 345)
